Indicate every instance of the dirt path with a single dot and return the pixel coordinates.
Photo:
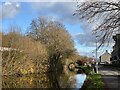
(111, 77)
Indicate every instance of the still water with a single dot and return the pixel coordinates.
(42, 81)
(79, 80)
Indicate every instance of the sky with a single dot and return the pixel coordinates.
(22, 13)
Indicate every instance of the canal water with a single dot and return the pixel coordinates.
(79, 81)
(42, 81)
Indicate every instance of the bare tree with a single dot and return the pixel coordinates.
(54, 35)
(108, 12)
(57, 40)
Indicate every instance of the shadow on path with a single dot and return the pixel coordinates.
(111, 77)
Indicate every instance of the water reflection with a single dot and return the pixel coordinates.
(80, 80)
(42, 81)
(77, 81)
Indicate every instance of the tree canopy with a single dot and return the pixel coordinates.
(54, 35)
(57, 40)
(107, 12)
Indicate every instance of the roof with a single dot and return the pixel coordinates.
(106, 53)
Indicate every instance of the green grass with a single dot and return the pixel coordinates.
(93, 81)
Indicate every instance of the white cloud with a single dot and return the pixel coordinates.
(7, 3)
(63, 11)
(89, 40)
(86, 39)
(9, 10)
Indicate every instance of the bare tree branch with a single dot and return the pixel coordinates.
(107, 12)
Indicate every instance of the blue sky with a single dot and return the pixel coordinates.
(22, 13)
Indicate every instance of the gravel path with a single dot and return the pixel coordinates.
(111, 77)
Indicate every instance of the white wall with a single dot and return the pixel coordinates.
(105, 57)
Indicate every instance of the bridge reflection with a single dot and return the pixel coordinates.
(73, 67)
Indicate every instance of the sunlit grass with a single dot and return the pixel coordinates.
(94, 81)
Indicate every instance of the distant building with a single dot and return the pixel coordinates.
(105, 58)
(116, 50)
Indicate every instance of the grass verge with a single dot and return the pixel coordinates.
(93, 80)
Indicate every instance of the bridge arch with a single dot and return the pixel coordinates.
(72, 66)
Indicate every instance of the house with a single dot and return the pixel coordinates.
(115, 55)
(105, 58)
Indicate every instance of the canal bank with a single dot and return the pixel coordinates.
(93, 81)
